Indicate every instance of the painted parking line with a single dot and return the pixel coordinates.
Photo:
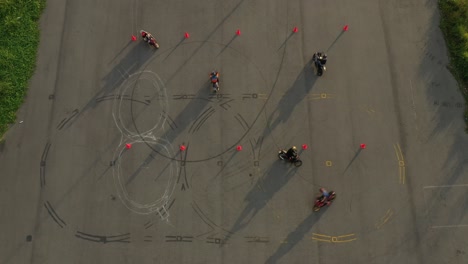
(334, 239)
(401, 163)
(321, 96)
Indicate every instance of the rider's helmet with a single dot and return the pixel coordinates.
(294, 148)
(213, 73)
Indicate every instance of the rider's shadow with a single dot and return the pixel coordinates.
(294, 237)
(129, 64)
(293, 96)
(262, 192)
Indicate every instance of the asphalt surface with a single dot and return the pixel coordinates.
(95, 174)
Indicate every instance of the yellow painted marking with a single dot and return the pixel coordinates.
(262, 96)
(347, 235)
(315, 234)
(384, 218)
(398, 151)
(401, 163)
(344, 241)
(328, 163)
(323, 240)
(321, 96)
(333, 239)
(402, 175)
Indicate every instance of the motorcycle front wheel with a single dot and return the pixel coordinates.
(298, 163)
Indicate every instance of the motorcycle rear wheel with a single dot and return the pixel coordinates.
(282, 155)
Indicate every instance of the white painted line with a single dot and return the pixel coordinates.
(450, 226)
(446, 186)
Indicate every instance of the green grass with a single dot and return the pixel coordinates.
(19, 38)
(454, 24)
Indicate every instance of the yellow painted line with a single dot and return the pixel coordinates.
(395, 146)
(346, 235)
(384, 219)
(401, 163)
(323, 240)
(315, 234)
(402, 175)
(399, 151)
(344, 241)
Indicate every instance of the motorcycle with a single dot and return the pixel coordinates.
(214, 79)
(283, 156)
(148, 38)
(319, 203)
(319, 65)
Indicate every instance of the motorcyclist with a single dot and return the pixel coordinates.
(324, 198)
(322, 57)
(324, 193)
(144, 35)
(214, 76)
(292, 153)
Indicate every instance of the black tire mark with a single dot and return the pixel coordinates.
(54, 215)
(124, 238)
(66, 120)
(242, 121)
(43, 164)
(197, 120)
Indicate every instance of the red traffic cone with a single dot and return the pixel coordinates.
(238, 32)
(239, 148)
(304, 146)
(186, 35)
(182, 147)
(345, 28)
(295, 29)
(128, 146)
(363, 146)
(133, 38)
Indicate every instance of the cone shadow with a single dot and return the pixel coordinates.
(333, 43)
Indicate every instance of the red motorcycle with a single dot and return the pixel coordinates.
(148, 38)
(322, 201)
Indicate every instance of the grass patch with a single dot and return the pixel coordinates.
(19, 38)
(454, 24)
